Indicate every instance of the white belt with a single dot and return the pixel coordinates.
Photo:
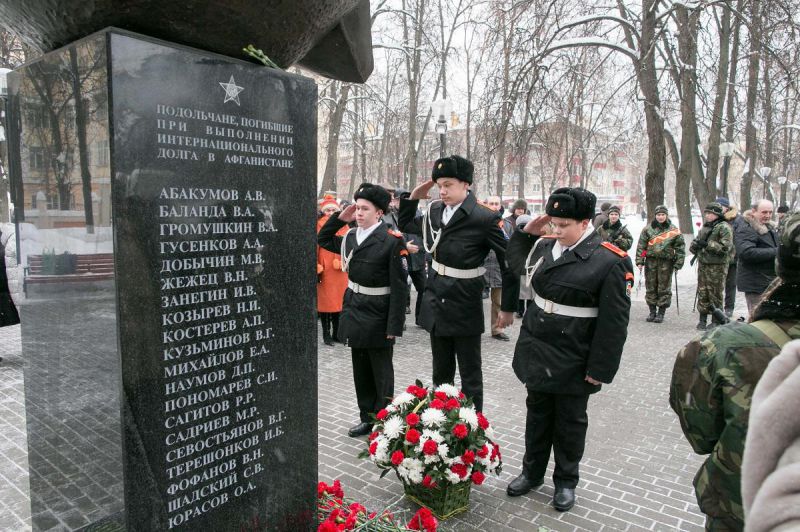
(549, 307)
(448, 271)
(369, 290)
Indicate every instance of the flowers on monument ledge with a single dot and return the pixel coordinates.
(433, 437)
(335, 513)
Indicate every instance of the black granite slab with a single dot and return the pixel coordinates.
(189, 370)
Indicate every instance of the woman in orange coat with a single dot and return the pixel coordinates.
(332, 280)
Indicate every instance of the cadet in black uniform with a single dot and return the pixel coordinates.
(571, 337)
(373, 314)
(458, 233)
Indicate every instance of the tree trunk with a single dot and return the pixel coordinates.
(753, 68)
(715, 130)
(332, 150)
(80, 132)
(648, 83)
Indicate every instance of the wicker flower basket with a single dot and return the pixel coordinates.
(444, 501)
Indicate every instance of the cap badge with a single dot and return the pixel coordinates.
(555, 205)
(440, 166)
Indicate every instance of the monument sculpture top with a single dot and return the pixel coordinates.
(331, 37)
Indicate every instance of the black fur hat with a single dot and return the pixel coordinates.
(453, 166)
(575, 203)
(375, 194)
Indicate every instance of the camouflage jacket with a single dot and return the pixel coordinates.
(712, 386)
(616, 234)
(661, 241)
(718, 237)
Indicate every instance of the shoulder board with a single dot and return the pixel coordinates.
(396, 234)
(611, 247)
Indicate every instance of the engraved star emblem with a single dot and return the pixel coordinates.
(232, 91)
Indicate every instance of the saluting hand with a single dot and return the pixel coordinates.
(421, 191)
(504, 319)
(537, 225)
(348, 214)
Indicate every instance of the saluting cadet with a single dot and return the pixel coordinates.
(614, 232)
(661, 251)
(712, 248)
(458, 232)
(572, 336)
(373, 314)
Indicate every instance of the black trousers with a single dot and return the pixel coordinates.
(730, 287)
(467, 351)
(418, 280)
(373, 375)
(557, 422)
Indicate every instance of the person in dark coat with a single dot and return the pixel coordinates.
(376, 260)
(756, 241)
(572, 336)
(416, 257)
(458, 232)
(493, 277)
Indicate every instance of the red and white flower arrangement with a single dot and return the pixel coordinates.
(434, 437)
(335, 513)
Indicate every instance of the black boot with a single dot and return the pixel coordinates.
(660, 315)
(334, 326)
(652, 316)
(702, 325)
(325, 318)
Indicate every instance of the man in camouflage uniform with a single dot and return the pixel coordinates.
(614, 232)
(712, 248)
(713, 382)
(660, 252)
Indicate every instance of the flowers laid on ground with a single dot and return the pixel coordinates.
(434, 437)
(336, 513)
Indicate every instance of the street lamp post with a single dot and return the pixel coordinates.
(793, 187)
(726, 150)
(782, 182)
(441, 110)
(765, 171)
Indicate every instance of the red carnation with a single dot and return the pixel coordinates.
(437, 404)
(459, 469)
(420, 392)
(452, 404)
(460, 431)
(397, 457)
(327, 526)
(382, 414)
(483, 452)
(374, 435)
(337, 489)
(440, 396)
(423, 520)
(412, 419)
(468, 457)
(428, 482)
(430, 447)
(461, 395)
(412, 389)
(495, 451)
(482, 421)
(358, 508)
(351, 521)
(412, 436)
(373, 447)
(478, 478)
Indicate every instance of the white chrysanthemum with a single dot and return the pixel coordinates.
(452, 478)
(449, 389)
(433, 417)
(489, 432)
(393, 427)
(434, 435)
(381, 451)
(431, 458)
(486, 462)
(443, 450)
(391, 408)
(468, 415)
(403, 399)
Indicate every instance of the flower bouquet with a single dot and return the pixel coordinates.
(336, 513)
(437, 444)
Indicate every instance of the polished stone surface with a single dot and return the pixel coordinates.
(194, 406)
(332, 37)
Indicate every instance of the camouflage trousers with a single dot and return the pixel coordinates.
(658, 282)
(710, 286)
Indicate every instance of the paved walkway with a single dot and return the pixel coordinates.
(636, 474)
